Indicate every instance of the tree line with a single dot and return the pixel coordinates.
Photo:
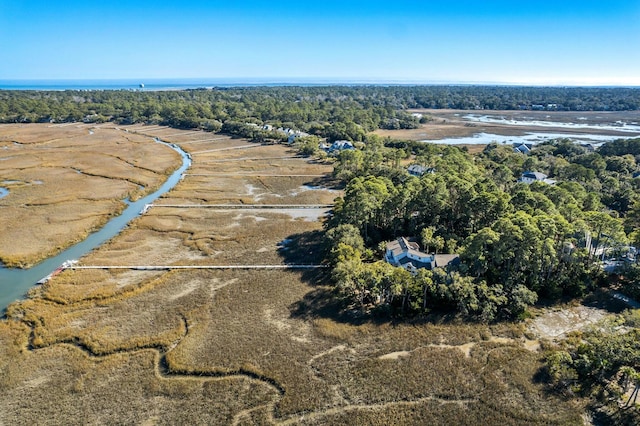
(334, 112)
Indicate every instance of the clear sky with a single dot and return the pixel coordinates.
(518, 41)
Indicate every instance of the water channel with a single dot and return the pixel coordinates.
(529, 137)
(14, 283)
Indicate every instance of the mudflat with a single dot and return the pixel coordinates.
(447, 123)
(65, 181)
(247, 346)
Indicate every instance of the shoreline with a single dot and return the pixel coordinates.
(451, 124)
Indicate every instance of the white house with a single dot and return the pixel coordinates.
(530, 177)
(407, 254)
(297, 134)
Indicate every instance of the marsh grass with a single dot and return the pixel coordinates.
(72, 388)
(251, 347)
(241, 189)
(67, 183)
(236, 237)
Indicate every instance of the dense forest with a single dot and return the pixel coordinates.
(334, 112)
(518, 242)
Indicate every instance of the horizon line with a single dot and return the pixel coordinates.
(333, 81)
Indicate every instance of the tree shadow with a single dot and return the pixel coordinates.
(604, 299)
(324, 302)
(306, 248)
(310, 248)
(328, 182)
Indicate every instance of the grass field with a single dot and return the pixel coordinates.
(246, 346)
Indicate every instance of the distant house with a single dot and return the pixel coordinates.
(341, 145)
(523, 148)
(418, 170)
(337, 146)
(297, 134)
(530, 177)
(407, 254)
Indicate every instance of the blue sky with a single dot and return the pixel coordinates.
(522, 42)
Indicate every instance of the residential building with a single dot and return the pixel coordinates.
(418, 170)
(530, 177)
(337, 146)
(407, 254)
(523, 148)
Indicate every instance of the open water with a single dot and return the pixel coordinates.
(169, 84)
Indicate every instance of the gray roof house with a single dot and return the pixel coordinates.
(407, 254)
(337, 146)
(418, 170)
(523, 148)
(530, 177)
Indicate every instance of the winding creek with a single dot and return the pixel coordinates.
(14, 283)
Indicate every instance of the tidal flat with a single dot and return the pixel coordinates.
(480, 127)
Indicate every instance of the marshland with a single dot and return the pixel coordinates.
(241, 346)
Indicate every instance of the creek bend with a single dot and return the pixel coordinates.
(14, 283)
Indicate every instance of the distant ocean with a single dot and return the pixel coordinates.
(177, 84)
(200, 83)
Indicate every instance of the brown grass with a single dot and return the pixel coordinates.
(246, 347)
(65, 182)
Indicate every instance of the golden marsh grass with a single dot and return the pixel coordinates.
(65, 182)
(247, 346)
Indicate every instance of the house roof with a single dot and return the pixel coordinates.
(402, 245)
(523, 148)
(405, 260)
(537, 176)
(534, 175)
(342, 145)
(416, 168)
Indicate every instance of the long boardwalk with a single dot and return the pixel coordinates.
(246, 206)
(249, 174)
(174, 267)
